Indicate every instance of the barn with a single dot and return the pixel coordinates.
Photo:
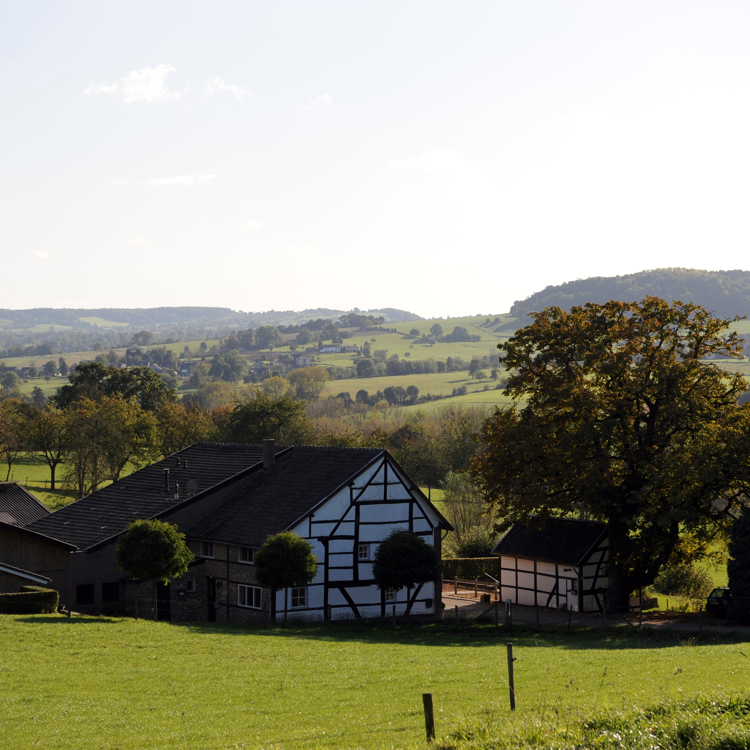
(554, 562)
(227, 500)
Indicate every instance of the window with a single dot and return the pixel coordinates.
(85, 593)
(299, 597)
(363, 551)
(111, 592)
(207, 549)
(190, 586)
(390, 594)
(246, 555)
(249, 596)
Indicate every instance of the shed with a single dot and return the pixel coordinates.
(18, 506)
(554, 562)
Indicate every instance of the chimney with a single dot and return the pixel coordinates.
(166, 480)
(269, 453)
(178, 460)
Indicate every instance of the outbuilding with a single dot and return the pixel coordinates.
(554, 562)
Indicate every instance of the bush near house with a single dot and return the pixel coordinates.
(30, 600)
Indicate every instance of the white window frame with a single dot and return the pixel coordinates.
(205, 546)
(190, 586)
(390, 594)
(363, 548)
(247, 551)
(298, 592)
(246, 593)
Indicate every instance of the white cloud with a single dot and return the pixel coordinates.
(42, 254)
(322, 99)
(218, 84)
(250, 226)
(118, 181)
(184, 179)
(144, 85)
(139, 240)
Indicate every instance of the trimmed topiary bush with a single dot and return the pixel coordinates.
(30, 600)
(404, 560)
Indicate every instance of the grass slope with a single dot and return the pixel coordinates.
(110, 683)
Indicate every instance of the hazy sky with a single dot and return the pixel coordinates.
(443, 157)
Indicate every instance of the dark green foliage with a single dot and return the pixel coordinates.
(725, 293)
(95, 380)
(460, 567)
(285, 560)
(404, 560)
(738, 567)
(153, 550)
(477, 541)
(31, 600)
(683, 579)
(261, 416)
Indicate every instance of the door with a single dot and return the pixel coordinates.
(211, 599)
(163, 602)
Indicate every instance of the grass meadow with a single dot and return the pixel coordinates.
(121, 683)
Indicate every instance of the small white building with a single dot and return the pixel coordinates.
(557, 562)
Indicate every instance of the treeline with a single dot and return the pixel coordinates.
(725, 293)
(106, 419)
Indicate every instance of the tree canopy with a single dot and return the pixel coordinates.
(260, 416)
(618, 416)
(95, 380)
(153, 550)
(404, 560)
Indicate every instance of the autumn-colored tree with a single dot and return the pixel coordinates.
(13, 435)
(180, 427)
(49, 432)
(309, 382)
(108, 434)
(619, 413)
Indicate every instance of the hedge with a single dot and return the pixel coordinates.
(31, 600)
(470, 567)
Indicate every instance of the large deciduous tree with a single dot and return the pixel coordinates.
(619, 414)
(260, 416)
(94, 380)
(49, 432)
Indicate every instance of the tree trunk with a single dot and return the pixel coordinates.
(286, 599)
(52, 468)
(620, 582)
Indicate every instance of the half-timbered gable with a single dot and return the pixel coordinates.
(344, 501)
(559, 562)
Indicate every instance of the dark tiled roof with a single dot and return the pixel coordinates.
(141, 495)
(18, 506)
(558, 540)
(271, 501)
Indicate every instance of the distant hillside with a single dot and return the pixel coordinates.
(725, 293)
(155, 318)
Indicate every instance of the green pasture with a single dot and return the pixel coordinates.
(102, 323)
(121, 683)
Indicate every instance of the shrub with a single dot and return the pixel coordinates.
(404, 560)
(474, 542)
(31, 600)
(683, 579)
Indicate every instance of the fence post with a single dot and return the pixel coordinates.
(429, 716)
(455, 585)
(511, 681)
(456, 612)
(507, 612)
(476, 588)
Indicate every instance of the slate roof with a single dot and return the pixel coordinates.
(559, 540)
(18, 506)
(108, 512)
(272, 501)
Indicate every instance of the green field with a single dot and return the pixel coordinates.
(110, 683)
(101, 323)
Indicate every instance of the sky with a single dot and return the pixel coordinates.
(446, 158)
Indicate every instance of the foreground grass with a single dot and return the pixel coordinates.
(718, 723)
(111, 683)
